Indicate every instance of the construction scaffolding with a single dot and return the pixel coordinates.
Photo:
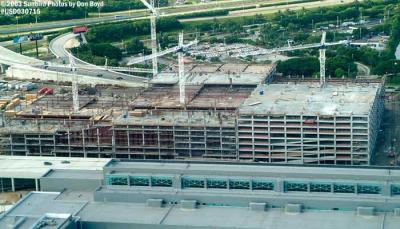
(226, 116)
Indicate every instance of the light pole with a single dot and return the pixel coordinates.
(20, 43)
(17, 25)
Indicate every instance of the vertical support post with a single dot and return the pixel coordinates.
(37, 185)
(84, 143)
(113, 147)
(12, 184)
(37, 50)
(69, 142)
(20, 48)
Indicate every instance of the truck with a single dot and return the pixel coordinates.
(46, 91)
(80, 29)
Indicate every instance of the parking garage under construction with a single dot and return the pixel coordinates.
(231, 112)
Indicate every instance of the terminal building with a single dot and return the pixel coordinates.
(173, 194)
(231, 112)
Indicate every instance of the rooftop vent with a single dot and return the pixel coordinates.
(257, 206)
(155, 203)
(366, 211)
(188, 204)
(294, 208)
(397, 211)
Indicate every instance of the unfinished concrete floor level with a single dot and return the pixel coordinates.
(225, 116)
(168, 135)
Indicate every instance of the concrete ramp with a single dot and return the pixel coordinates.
(24, 72)
(84, 41)
(9, 57)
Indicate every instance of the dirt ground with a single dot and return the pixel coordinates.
(7, 198)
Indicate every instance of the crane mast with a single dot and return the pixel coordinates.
(75, 97)
(154, 45)
(153, 22)
(322, 59)
(181, 71)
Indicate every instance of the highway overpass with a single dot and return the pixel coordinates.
(58, 48)
(21, 66)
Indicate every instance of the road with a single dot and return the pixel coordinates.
(169, 11)
(273, 9)
(104, 74)
(9, 57)
(12, 58)
(362, 69)
(57, 47)
(63, 24)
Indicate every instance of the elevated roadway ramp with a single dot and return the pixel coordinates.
(9, 57)
(58, 48)
(25, 72)
(24, 67)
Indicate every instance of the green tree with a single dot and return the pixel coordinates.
(339, 73)
(387, 67)
(306, 66)
(135, 46)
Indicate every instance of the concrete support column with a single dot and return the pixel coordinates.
(128, 181)
(177, 182)
(83, 143)
(113, 142)
(98, 141)
(158, 143)
(12, 184)
(37, 184)
(386, 189)
(69, 142)
(279, 185)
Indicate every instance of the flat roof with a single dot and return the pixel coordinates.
(34, 167)
(138, 214)
(36, 205)
(220, 97)
(178, 118)
(218, 74)
(211, 78)
(311, 99)
(252, 170)
(75, 174)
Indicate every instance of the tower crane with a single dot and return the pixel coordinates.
(153, 17)
(161, 53)
(322, 59)
(181, 71)
(75, 97)
(322, 48)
